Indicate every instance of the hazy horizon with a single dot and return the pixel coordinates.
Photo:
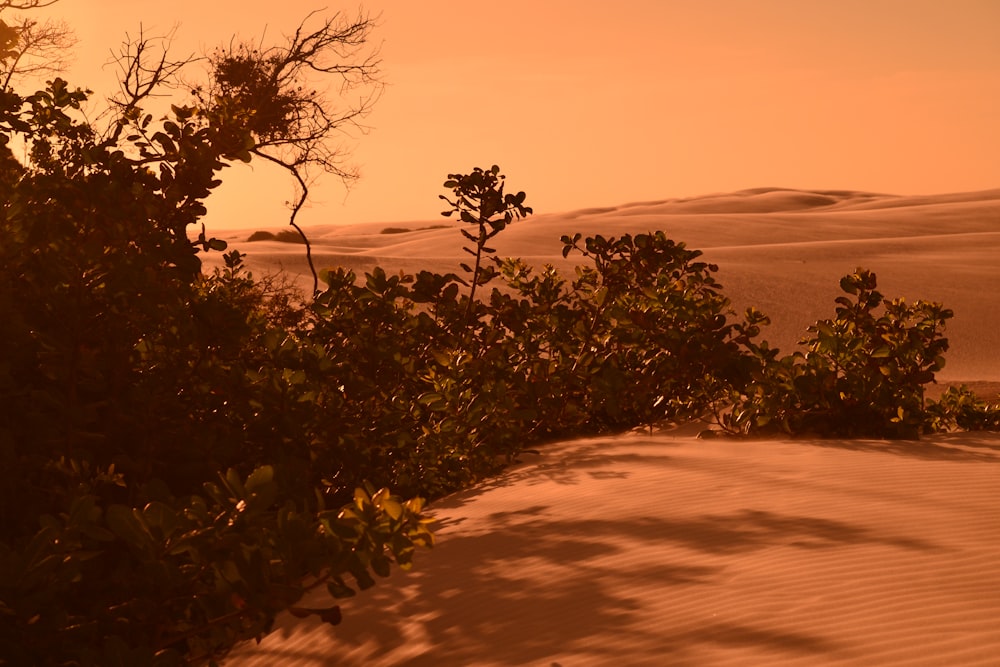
(582, 106)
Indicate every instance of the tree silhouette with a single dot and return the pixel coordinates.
(270, 92)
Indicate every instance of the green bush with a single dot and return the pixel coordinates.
(461, 385)
(655, 342)
(862, 375)
(961, 408)
(284, 236)
(171, 580)
(160, 497)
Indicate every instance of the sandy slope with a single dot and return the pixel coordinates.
(663, 549)
(783, 251)
(668, 550)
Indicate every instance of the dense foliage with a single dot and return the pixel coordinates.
(862, 375)
(460, 386)
(960, 408)
(158, 503)
(182, 456)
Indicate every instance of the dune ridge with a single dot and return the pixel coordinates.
(780, 250)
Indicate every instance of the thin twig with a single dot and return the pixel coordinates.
(296, 207)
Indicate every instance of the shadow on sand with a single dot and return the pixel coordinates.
(979, 447)
(534, 587)
(528, 584)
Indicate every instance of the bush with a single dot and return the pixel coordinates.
(654, 341)
(460, 386)
(961, 408)
(172, 580)
(160, 497)
(862, 375)
(284, 236)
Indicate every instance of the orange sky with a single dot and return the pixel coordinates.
(594, 102)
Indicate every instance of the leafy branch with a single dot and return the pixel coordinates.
(479, 199)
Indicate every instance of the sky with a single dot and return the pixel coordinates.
(598, 103)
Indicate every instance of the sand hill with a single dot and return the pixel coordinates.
(663, 549)
(783, 251)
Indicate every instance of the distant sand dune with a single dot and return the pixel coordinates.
(781, 250)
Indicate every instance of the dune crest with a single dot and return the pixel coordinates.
(781, 250)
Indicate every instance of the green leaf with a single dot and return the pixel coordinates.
(264, 475)
(124, 522)
(261, 489)
(443, 359)
(235, 484)
(162, 517)
(362, 500)
(849, 284)
(393, 508)
(430, 398)
(165, 141)
(365, 580)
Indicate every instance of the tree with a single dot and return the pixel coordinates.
(148, 512)
(290, 123)
(273, 102)
(31, 48)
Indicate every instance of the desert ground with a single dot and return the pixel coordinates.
(665, 549)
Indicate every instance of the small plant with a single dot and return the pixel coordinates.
(961, 408)
(479, 200)
(654, 339)
(862, 374)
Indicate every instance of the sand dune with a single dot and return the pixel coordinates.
(665, 549)
(781, 250)
(668, 550)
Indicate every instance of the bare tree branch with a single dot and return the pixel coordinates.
(145, 69)
(275, 93)
(292, 104)
(34, 48)
(292, 120)
(301, 198)
(25, 4)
